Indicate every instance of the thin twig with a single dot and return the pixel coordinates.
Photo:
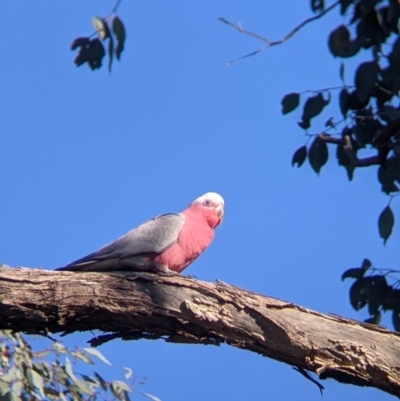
(327, 89)
(386, 271)
(271, 43)
(115, 8)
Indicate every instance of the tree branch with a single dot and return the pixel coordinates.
(183, 310)
(348, 148)
(271, 43)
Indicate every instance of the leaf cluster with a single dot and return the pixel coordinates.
(372, 290)
(92, 51)
(51, 374)
(370, 113)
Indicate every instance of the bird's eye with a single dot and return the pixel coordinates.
(207, 203)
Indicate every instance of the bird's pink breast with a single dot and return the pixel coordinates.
(196, 235)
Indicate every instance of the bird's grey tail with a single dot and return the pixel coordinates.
(93, 266)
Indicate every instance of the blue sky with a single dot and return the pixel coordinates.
(87, 156)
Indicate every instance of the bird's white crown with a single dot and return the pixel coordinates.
(215, 198)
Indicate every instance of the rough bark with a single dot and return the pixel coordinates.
(182, 309)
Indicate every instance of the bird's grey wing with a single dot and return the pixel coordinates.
(153, 236)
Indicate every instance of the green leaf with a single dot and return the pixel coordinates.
(89, 379)
(290, 102)
(120, 34)
(82, 356)
(41, 354)
(117, 392)
(355, 272)
(103, 383)
(5, 392)
(43, 368)
(35, 380)
(396, 320)
(53, 394)
(128, 373)
(68, 369)
(376, 319)
(152, 397)
(299, 156)
(101, 27)
(386, 223)
(81, 385)
(98, 354)
(62, 396)
(10, 376)
(318, 154)
(122, 385)
(17, 389)
(366, 76)
(60, 348)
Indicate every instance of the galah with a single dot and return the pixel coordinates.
(167, 243)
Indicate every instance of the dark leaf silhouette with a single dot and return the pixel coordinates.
(340, 43)
(387, 180)
(79, 42)
(110, 52)
(344, 101)
(344, 4)
(366, 264)
(290, 102)
(299, 156)
(358, 294)
(341, 72)
(317, 5)
(355, 272)
(313, 106)
(365, 79)
(318, 154)
(120, 34)
(92, 53)
(344, 161)
(330, 123)
(386, 223)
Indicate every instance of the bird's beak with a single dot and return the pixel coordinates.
(220, 212)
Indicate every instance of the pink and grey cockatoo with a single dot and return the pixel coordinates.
(166, 243)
